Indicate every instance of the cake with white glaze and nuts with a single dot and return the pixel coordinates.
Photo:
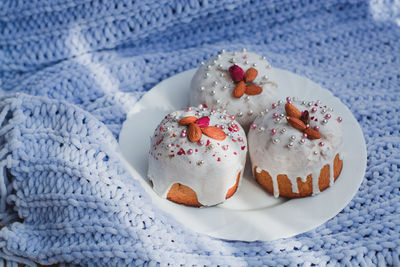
(238, 82)
(295, 148)
(197, 156)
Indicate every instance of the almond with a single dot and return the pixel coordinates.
(292, 111)
(214, 132)
(194, 133)
(312, 134)
(239, 89)
(296, 123)
(253, 89)
(187, 120)
(250, 75)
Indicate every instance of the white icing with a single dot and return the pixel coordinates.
(210, 180)
(214, 90)
(298, 160)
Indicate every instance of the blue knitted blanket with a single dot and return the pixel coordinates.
(70, 70)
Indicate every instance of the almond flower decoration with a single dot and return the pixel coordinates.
(300, 121)
(198, 127)
(244, 81)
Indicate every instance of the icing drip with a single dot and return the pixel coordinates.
(331, 176)
(295, 186)
(275, 185)
(315, 180)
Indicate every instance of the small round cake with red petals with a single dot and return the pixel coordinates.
(295, 149)
(238, 82)
(197, 156)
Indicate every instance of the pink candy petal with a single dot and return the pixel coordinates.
(236, 73)
(203, 122)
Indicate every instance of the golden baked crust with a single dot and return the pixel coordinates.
(305, 188)
(183, 194)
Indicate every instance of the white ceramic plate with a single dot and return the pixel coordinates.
(251, 214)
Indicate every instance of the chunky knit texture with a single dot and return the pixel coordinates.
(70, 70)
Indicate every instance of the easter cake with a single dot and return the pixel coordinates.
(295, 149)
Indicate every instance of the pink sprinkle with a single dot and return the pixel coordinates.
(161, 128)
(307, 126)
(304, 135)
(205, 106)
(234, 153)
(181, 152)
(208, 143)
(183, 134)
(315, 119)
(225, 147)
(274, 105)
(219, 159)
(288, 99)
(240, 139)
(339, 119)
(222, 127)
(233, 128)
(243, 147)
(232, 117)
(275, 115)
(313, 110)
(273, 131)
(159, 141)
(321, 144)
(312, 117)
(316, 127)
(200, 143)
(188, 109)
(316, 105)
(253, 126)
(184, 131)
(236, 73)
(327, 116)
(196, 150)
(203, 122)
(190, 151)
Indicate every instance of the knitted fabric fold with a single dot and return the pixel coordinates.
(71, 70)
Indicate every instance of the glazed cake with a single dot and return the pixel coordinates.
(238, 82)
(295, 148)
(197, 156)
